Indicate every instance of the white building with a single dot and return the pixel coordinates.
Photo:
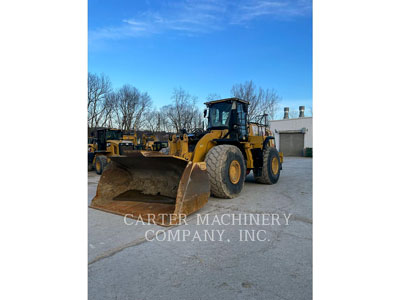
(293, 136)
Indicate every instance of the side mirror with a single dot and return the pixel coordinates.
(245, 108)
(205, 113)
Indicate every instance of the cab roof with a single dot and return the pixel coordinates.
(226, 100)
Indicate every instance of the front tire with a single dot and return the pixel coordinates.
(226, 171)
(100, 164)
(271, 168)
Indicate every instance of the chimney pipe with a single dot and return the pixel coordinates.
(286, 113)
(301, 111)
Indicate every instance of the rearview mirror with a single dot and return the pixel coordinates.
(205, 113)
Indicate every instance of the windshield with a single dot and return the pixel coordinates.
(114, 135)
(219, 115)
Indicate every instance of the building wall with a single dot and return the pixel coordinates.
(294, 124)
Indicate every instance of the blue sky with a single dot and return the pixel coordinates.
(204, 46)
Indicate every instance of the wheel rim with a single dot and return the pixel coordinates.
(98, 167)
(234, 172)
(275, 165)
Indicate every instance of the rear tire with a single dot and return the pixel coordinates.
(100, 164)
(271, 168)
(226, 171)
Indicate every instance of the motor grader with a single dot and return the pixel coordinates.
(109, 142)
(161, 188)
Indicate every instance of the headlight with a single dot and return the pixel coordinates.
(108, 144)
(89, 149)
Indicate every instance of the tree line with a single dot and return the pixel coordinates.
(129, 109)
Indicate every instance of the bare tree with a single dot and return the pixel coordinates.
(129, 107)
(98, 89)
(261, 100)
(152, 121)
(213, 96)
(145, 104)
(165, 124)
(293, 114)
(183, 112)
(110, 103)
(155, 120)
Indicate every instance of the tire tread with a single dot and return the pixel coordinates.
(215, 159)
(265, 178)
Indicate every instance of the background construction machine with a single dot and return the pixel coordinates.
(147, 142)
(109, 142)
(131, 137)
(160, 188)
(91, 143)
(158, 145)
(91, 150)
(151, 143)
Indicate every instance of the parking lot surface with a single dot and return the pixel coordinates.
(278, 265)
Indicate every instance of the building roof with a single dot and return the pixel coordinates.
(290, 119)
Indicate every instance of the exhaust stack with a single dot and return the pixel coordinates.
(301, 111)
(286, 113)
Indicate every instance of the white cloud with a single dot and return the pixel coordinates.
(201, 16)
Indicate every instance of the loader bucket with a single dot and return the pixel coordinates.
(152, 186)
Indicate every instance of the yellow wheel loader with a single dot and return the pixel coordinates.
(91, 150)
(148, 142)
(131, 137)
(91, 144)
(109, 142)
(158, 145)
(162, 188)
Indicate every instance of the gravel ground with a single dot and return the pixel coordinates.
(123, 265)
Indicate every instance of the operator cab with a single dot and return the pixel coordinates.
(105, 135)
(229, 113)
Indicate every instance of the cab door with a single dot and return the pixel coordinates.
(101, 140)
(242, 117)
